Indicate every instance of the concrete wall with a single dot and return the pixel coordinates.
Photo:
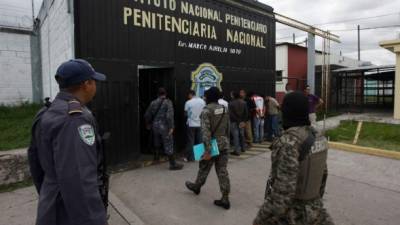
(291, 59)
(57, 40)
(281, 65)
(14, 166)
(15, 68)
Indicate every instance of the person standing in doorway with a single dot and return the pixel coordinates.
(193, 108)
(273, 123)
(214, 124)
(258, 118)
(66, 154)
(159, 118)
(248, 132)
(238, 115)
(314, 102)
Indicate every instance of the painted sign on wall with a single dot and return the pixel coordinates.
(205, 77)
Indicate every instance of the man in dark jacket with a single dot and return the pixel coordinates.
(65, 152)
(248, 130)
(238, 115)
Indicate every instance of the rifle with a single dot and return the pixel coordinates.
(47, 102)
(105, 177)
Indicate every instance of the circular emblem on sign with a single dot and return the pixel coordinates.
(205, 77)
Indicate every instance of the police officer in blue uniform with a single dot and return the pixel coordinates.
(65, 152)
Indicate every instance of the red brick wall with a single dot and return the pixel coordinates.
(297, 66)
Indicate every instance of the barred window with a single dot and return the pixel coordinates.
(279, 75)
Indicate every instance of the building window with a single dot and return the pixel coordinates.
(279, 75)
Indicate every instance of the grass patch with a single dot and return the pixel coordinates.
(15, 125)
(376, 135)
(14, 186)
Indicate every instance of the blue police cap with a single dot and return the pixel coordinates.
(76, 71)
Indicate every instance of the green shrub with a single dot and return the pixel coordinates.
(15, 125)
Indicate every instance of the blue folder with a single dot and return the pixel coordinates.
(198, 150)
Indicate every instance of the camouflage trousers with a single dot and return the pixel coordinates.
(300, 213)
(220, 162)
(162, 138)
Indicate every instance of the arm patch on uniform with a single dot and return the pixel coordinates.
(219, 111)
(320, 145)
(86, 132)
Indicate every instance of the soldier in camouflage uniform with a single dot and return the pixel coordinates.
(214, 123)
(159, 117)
(298, 171)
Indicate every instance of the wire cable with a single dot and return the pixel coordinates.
(368, 28)
(349, 20)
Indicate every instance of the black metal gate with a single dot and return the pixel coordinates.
(117, 48)
(115, 108)
(358, 89)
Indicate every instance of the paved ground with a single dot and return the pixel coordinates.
(362, 190)
(19, 208)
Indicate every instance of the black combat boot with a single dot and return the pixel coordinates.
(193, 187)
(235, 153)
(173, 165)
(156, 156)
(223, 202)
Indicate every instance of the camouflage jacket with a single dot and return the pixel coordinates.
(210, 117)
(281, 185)
(165, 114)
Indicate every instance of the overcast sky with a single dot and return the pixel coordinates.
(386, 12)
(352, 12)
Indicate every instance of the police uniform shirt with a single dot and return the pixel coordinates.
(64, 160)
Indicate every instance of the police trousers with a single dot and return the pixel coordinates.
(161, 137)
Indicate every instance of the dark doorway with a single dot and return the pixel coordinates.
(150, 80)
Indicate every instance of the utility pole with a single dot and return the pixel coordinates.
(328, 76)
(323, 70)
(33, 13)
(311, 62)
(358, 35)
(294, 38)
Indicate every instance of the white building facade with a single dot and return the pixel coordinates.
(15, 67)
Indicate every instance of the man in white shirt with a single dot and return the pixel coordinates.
(258, 118)
(222, 102)
(193, 108)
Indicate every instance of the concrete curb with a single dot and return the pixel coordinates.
(14, 166)
(365, 150)
(130, 217)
